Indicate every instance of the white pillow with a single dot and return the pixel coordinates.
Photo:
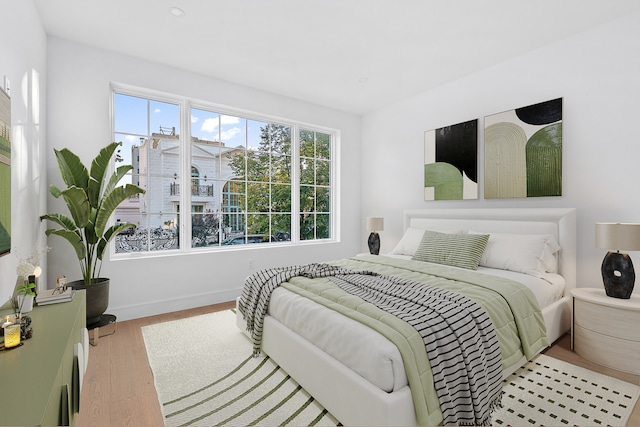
(525, 253)
(412, 238)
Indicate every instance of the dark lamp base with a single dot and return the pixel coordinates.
(374, 243)
(618, 275)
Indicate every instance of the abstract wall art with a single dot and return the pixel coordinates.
(523, 152)
(451, 162)
(5, 173)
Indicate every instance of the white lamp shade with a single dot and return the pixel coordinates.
(618, 236)
(375, 223)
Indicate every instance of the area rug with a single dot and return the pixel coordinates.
(205, 376)
(550, 392)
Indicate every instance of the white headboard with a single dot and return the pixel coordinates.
(560, 222)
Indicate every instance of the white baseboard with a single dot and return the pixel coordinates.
(170, 305)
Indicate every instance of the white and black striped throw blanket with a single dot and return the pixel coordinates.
(460, 341)
(258, 287)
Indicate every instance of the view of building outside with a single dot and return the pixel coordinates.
(240, 187)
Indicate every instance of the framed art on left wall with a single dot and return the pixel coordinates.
(5, 173)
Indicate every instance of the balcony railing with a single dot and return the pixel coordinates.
(196, 190)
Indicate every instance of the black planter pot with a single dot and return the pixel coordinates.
(97, 297)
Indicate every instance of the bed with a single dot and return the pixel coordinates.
(300, 335)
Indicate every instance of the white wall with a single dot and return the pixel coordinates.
(78, 118)
(598, 75)
(23, 53)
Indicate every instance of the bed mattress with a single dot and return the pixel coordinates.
(376, 358)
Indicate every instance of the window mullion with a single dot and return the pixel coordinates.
(295, 184)
(185, 178)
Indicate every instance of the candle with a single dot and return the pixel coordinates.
(11, 335)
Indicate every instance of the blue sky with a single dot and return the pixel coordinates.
(131, 123)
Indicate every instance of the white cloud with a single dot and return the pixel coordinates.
(157, 110)
(229, 120)
(131, 138)
(209, 125)
(231, 133)
(194, 119)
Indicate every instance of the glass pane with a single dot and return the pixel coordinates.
(131, 240)
(257, 166)
(206, 159)
(130, 114)
(281, 198)
(162, 235)
(281, 169)
(258, 197)
(127, 153)
(257, 136)
(205, 228)
(236, 166)
(281, 227)
(307, 143)
(307, 171)
(322, 226)
(322, 199)
(307, 199)
(323, 146)
(205, 125)
(233, 224)
(233, 131)
(258, 228)
(323, 172)
(307, 226)
(164, 119)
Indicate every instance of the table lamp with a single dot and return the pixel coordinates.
(374, 224)
(618, 274)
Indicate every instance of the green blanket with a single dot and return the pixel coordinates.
(512, 307)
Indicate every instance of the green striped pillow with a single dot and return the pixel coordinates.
(458, 250)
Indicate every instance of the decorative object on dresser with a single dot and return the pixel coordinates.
(374, 224)
(91, 197)
(605, 330)
(618, 274)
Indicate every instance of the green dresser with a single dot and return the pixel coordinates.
(40, 380)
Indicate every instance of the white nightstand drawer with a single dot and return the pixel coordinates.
(615, 353)
(612, 321)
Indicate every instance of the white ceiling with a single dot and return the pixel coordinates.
(352, 55)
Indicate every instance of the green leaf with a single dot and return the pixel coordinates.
(99, 168)
(73, 238)
(78, 205)
(111, 202)
(62, 220)
(73, 172)
(120, 173)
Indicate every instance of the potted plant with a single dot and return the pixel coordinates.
(91, 199)
(25, 293)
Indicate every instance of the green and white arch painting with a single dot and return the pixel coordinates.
(451, 162)
(523, 152)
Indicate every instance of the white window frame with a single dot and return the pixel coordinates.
(185, 105)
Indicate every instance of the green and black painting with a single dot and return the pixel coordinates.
(451, 162)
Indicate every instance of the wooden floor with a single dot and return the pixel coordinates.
(118, 388)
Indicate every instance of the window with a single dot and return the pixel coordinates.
(253, 180)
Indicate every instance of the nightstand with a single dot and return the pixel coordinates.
(606, 330)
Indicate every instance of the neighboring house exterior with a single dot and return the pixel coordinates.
(155, 168)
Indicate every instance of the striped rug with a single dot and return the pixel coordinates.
(204, 376)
